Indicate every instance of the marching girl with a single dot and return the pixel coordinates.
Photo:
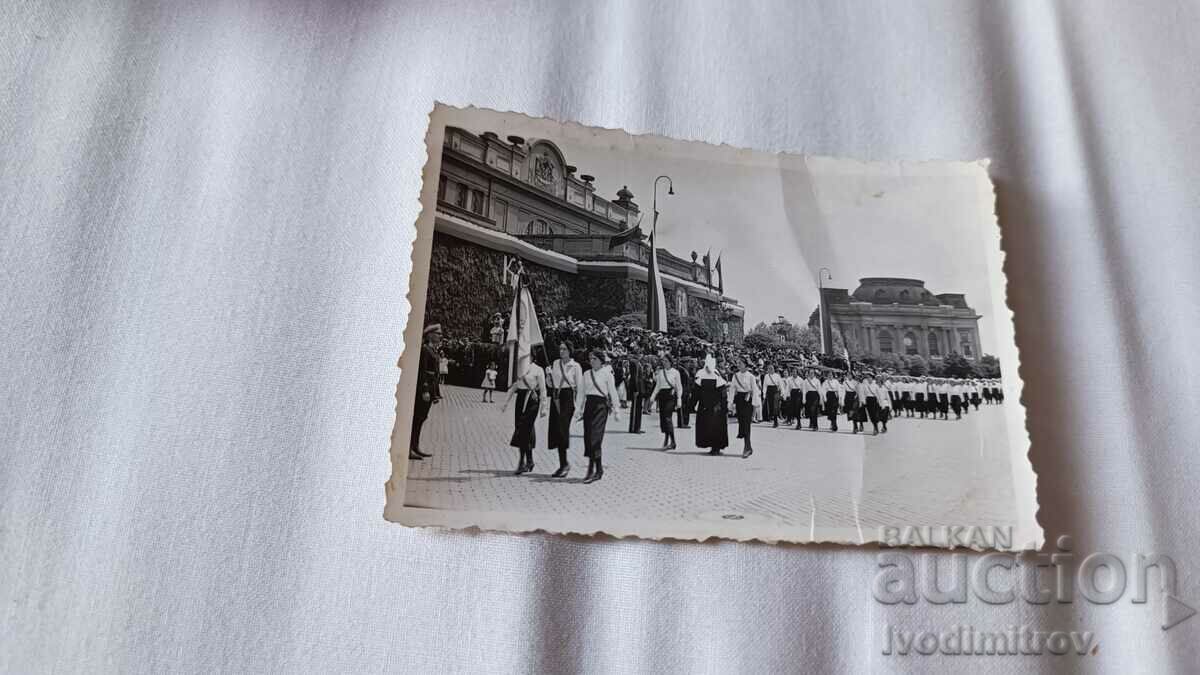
(795, 397)
(956, 399)
(666, 393)
(884, 394)
(851, 402)
(906, 396)
(712, 429)
(943, 398)
(920, 390)
(530, 392)
(564, 382)
(834, 392)
(772, 387)
(868, 409)
(813, 396)
(745, 388)
(596, 399)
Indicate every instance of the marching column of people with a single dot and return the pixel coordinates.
(567, 392)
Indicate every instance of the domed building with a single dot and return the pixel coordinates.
(891, 315)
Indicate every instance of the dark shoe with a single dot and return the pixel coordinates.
(414, 455)
(591, 470)
(562, 471)
(423, 454)
(672, 446)
(747, 452)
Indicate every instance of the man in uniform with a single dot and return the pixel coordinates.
(634, 378)
(428, 391)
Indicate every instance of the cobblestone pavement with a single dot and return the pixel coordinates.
(922, 472)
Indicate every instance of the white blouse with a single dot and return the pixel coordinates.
(667, 379)
(596, 383)
(565, 375)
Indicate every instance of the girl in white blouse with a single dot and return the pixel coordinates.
(745, 388)
(595, 400)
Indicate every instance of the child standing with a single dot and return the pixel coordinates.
(489, 383)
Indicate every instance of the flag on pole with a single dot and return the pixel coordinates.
(708, 273)
(523, 333)
(656, 305)
(720, 276)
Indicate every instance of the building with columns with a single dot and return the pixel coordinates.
(887, 315)
(500, 199)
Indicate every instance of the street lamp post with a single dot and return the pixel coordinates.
(670, 191)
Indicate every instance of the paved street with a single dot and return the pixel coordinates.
(922, 472)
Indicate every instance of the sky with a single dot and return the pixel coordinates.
(777, 219)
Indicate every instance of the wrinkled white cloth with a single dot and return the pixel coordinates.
(205, 223)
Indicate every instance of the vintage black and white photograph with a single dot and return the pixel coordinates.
(640, 336)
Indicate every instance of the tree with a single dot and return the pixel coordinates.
(688, 325)
(759, 341)
(807, 338)
(917, 366)
(988, 367)
(956, 365)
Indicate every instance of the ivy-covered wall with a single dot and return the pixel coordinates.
(466, 287)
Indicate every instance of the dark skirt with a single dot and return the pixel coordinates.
(850, 405)
(793, 404)
(812, 403)
(745, 413)
(712, 429)
(831, 404)
(595, 419)
(666, 408)
(562, 409)
(524, 416)
(943, 403)
(975, 398)
(772, 403)
(956, 402)
(872, 411)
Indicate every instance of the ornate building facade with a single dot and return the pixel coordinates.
(887, 315)
(513, 198)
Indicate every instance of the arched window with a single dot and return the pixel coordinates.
(910, 344)
(681, 307)
(886, 345)
(933, 344)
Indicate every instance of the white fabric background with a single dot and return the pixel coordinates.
(205, 217)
